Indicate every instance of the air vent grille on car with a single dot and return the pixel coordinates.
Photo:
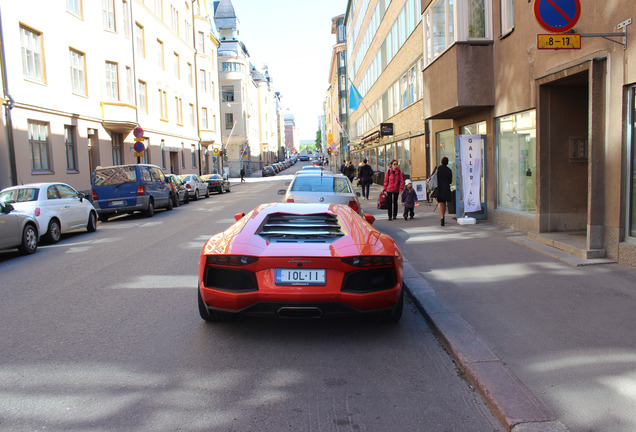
(292, 228)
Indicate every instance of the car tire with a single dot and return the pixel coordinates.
(29, 240)
(150, 211)
(54, 231)
(91, 226)
(228, 187)
(170, 203)
(212, 315)
(186, 198)
(221, 190)
(196, 195)
(175, 200)
(207, 193)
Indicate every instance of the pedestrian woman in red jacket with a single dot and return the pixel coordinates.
(393, 185)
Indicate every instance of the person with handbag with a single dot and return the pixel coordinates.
(444, 180)
(393, 185)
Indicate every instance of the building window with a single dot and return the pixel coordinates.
(204, 118)
(517, 161)
(179, 106)
(39, 146)
(74, 7)
(177, 66)
(78, 74)
(142, 94)
(174, 17)
(227, 93)
(140, 45)
(194, 155)
(71, 151)
(146, 157)
(229, 120)
(130, 87)
(108, 14)
(160, 61)
(201, 42)
(202, 80)
(112, 81)
(163, 154)
(191, 114)
(232, 67)
(159, 8)
(117, 142)
(507, 16)
(126, 18)
(32, 64)
(190, 74)
(163, 104)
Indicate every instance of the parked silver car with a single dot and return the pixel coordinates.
(57, 207)
(18, 230)
(318, 186)
(195, 186)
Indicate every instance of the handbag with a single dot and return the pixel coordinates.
(431, 182)
(434, 193)
(382, 201)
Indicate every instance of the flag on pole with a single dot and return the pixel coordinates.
(338, 123)
(355, 98)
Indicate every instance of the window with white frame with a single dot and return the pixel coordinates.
(177, 66)
(193, 152)
(108, 14)
(179, 106)
(163, 105)
(142, 95)
(39, 146)
(117, 142)
(201, 42)
(229, 120)
(447, 21)
(112, 80)
(140, 45)
(126, 18)
(227, 93)
(191, 114)
(204, 118)
(189, 74)
(74, 7)
(158, 5)
(160, 60)
(71, 151)
(202, 80)
(78, 72)
(32, 64)
(507, 16)
(130, 86)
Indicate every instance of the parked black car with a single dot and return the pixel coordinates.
(178, 193)
(268, 170)
(216, 183)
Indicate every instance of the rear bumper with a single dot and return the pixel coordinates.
(140, 205)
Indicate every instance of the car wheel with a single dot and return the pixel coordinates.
(196, 195)
(228, 187)
(54, 232)
(175, 200)
(29, 240)
(221, 190)
(186, 197)
(212, 315)
(170, 203)
(207, 193)
(150, 211)
(91, 226)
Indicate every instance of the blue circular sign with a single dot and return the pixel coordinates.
(138, 132)
(557, 16)
(139, 146)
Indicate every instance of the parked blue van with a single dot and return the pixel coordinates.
(124, 189)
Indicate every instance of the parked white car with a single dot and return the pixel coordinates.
(195, 186)
(17, 230)
(57, 207)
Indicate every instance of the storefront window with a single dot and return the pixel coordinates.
(517, 162)
(373, 159)
(446, 147)
(404, 156)
(390, 154)
(381, 162)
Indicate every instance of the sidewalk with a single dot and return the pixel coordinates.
(550, 346)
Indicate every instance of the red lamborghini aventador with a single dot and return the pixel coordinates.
(300, 261)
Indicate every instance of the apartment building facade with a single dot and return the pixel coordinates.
(92, 72)
(335, 107)
(384, 63)
(558, 124)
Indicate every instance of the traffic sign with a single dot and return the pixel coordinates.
(559, 41)
(557, 16)
(139, 146)
(138, 132)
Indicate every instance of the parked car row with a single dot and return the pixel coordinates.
(275, 168)
(47, 210)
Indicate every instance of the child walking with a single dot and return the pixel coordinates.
(409, 199)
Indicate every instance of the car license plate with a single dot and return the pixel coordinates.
(117, 203)
(300, 276)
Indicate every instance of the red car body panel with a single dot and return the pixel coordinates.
(359, 239)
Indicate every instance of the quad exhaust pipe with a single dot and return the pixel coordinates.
(299, 312)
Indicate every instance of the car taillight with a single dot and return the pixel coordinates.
(140, 190)
(94, 196)
(188, 186)
(231, 260)
(369, 261)
(354, 205)
(290, 200)
(36, 212)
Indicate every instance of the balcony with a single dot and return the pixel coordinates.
(460, 81)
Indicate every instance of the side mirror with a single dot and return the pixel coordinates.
(369, 218)
(281, 191)
(358, 194)
(7, 208)
(81, 196)
(238, 216)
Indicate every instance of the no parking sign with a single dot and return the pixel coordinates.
(557, 16)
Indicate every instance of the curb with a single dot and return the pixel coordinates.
(510, 401)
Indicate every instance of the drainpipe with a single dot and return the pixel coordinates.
(195, 78)
(7, 109)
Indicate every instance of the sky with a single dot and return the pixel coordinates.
(293, 38)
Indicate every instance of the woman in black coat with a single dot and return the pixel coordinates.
(444, 180)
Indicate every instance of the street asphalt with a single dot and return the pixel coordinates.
(550, 345)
